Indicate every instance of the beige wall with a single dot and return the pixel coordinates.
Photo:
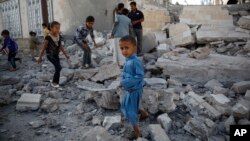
(1, 22)
(24, 18)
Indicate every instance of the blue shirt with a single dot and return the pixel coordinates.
(10, 44)
(82, 32)
(122, 25)
(133, 74)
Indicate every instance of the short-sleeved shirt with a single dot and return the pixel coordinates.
(134, 16)
(54, 44)
(82, 32)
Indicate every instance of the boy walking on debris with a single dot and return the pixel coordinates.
(53, 46)
(81, 39)
(34, 45)
(12, 47)
(132, 81)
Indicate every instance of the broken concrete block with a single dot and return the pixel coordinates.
(90, 86)
(200, 127)
(149, 42)
(241, 87)
(68, 73)
(192, 71)
(220, 90)
(107, 99)
(50, 105)
(247, 46)
(163, 48)
(156, 83)
(212, 83)
(228, 122)
(240, 111)
(107, 72)
(84, 74)
(200, 53)
(199, 105)
(244, 22)
(37, 124)
(112, 122)
(165, 121)
(247, 95)
(28, 102)
(180, 34)
(157, 133)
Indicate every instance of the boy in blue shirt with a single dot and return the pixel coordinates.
(12, 47)
(132, 82)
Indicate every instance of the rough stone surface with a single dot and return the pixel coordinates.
(200, 53)
(247, 46)
(211, 84)
(112, 122)
(84, 74)
(241, 87)
(180, 34)
(106, 72)
(149, 42)
(157, 83)
(188, 70)
(8, 80)
(107, 100)
(228, 122)
(247, 95)
(28, 102)
(244, 22)
(240, 111)
(163, 48)
(157, 133)
(50, 105)
(219, 99)
(200, 127)
(165, 121)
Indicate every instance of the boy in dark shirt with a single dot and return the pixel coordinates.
(81, 39)
(12, 47)
(137, 18)
(52, 45)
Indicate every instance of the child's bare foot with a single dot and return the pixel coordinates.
(143, 114)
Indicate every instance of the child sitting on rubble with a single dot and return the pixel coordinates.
(53, 46)
(34, 45)
(132, 82)
(12, 49)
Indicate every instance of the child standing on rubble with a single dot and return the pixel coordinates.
(12, 48)
(34, 45)
(132, 82)
(53, 46)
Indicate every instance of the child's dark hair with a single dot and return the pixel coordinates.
(128, 38)
(125, 11)
(120, 6)
(54, 23)
(133, 3)
(5, 32)
(90, 19)
(32, 33)
(45, 25)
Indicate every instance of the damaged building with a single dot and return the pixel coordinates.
(196, 63)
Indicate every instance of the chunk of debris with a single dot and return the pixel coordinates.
(156, 83)
(244, 22)
(112, 122)
(50, 105)
(200, 53)
(28, 102)
(107, 72)
(157, 133)
(241, 87)
(165, 121)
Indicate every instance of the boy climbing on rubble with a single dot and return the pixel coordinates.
(81, 39)
(53, 46)
(12, 49)
(132, 82)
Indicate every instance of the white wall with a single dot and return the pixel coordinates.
(24, 18)
(1, 22)
(72, 13)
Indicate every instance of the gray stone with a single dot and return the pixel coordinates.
(219, 99)
(68, 73)
(247, 95)
(149, 42)
(180, 34)
(244, 122)
(107, 72)
(211, 84)
(163, 48)
(241, 87)
(157, 133)
(37, 124)
(200, 127)
(200, 53)
(96, 121)
(50, 105)
(199, 105)
(107, 99)
(156, 83)
(244, 22)
(247, 46)
(216, 66)
(228, 122)
(84, 74)
(55, 94)
(28, 102)
(240, 111)
(5, 95)
(165, 121)
(8, 80)
(220, 90)
(112, 122)
(90, 86)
